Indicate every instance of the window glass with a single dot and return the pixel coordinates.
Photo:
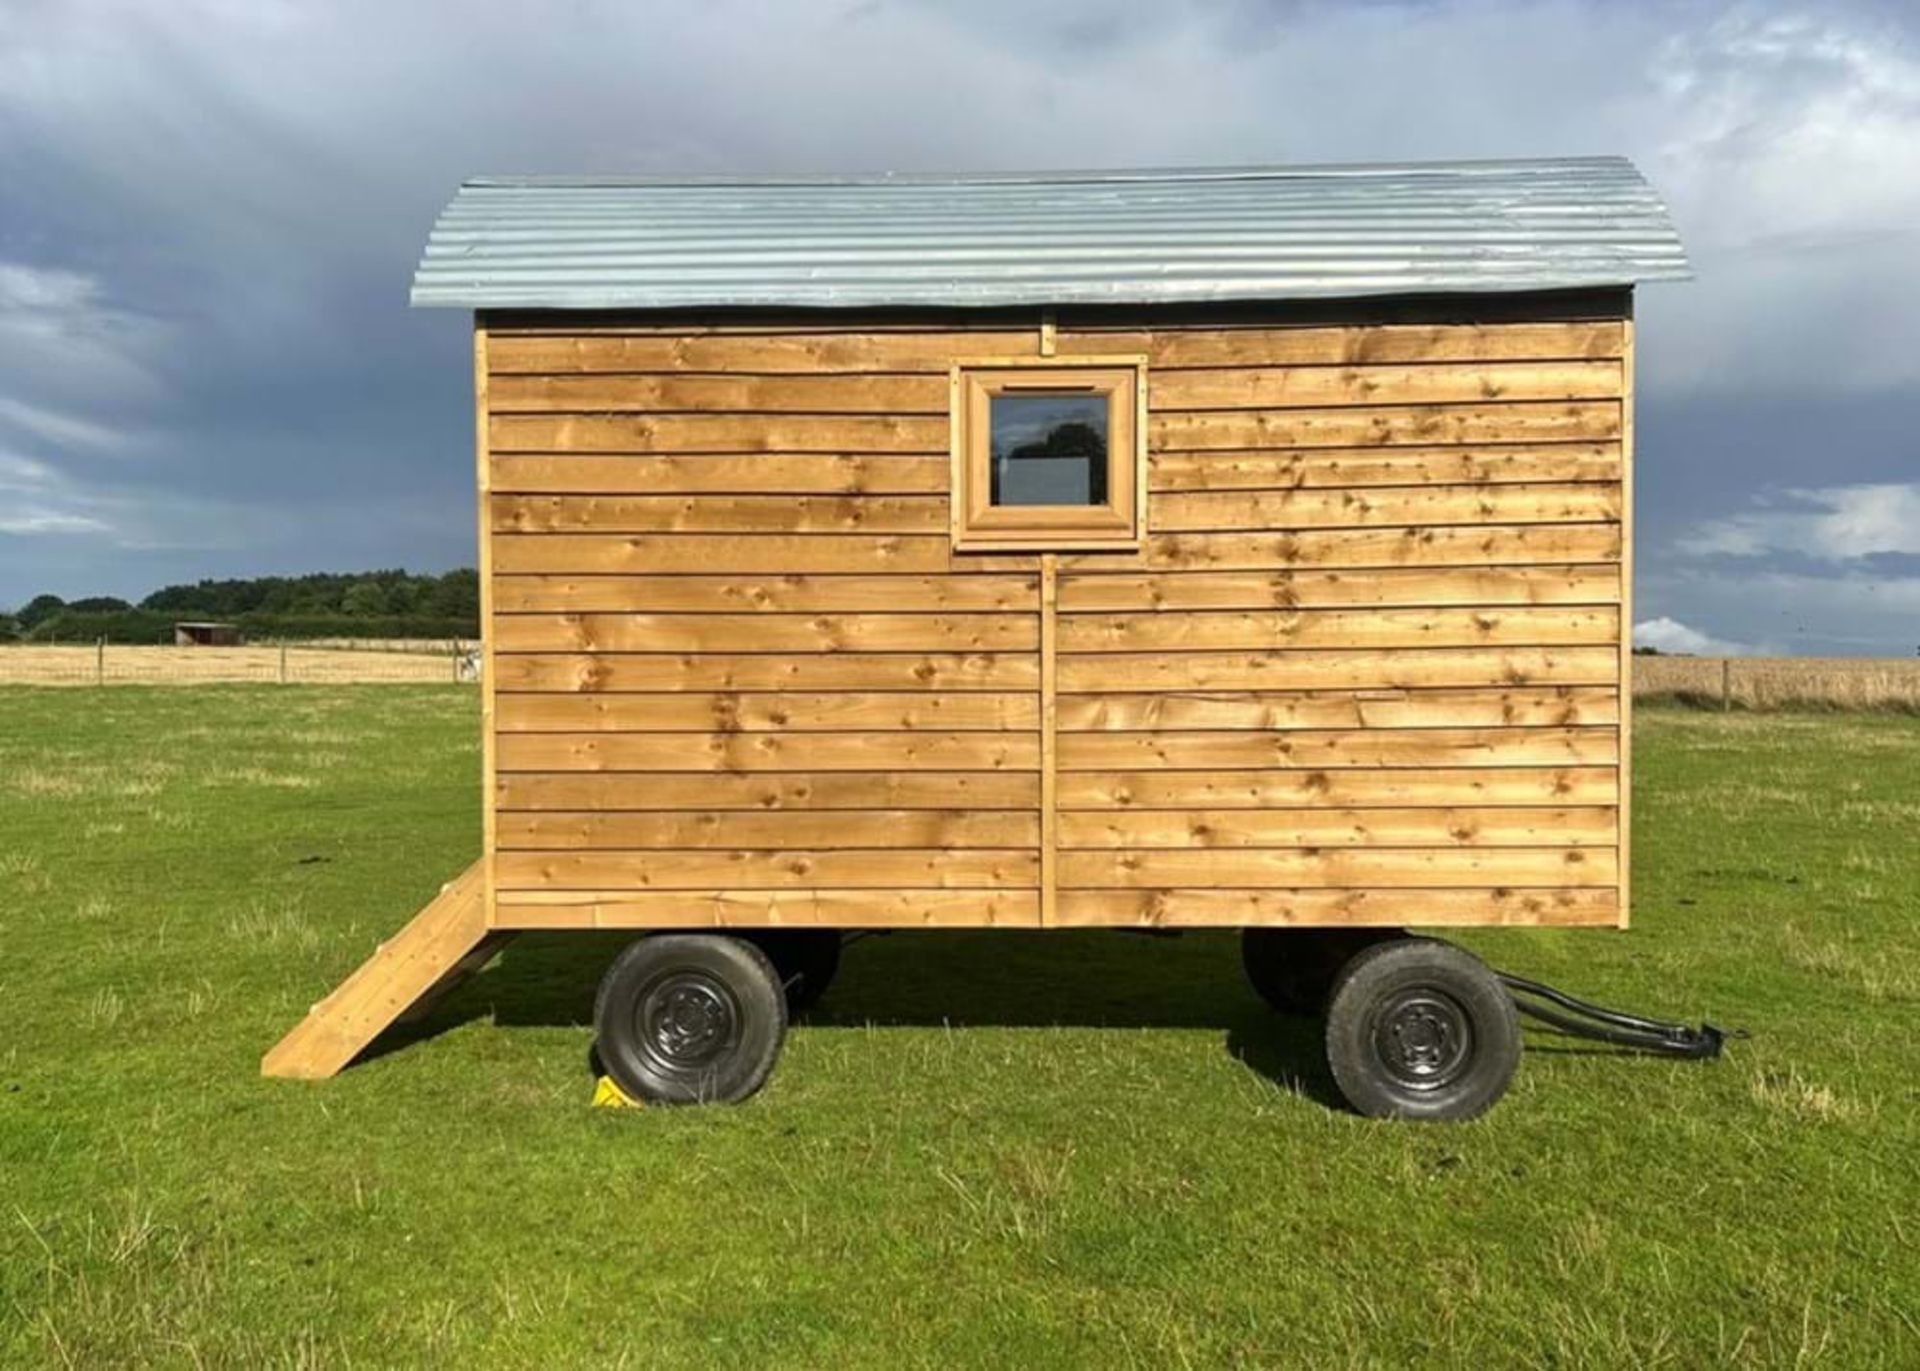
(1049, 448)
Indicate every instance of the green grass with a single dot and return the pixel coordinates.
(986, 1149)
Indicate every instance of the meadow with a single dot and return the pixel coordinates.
(983, 1149)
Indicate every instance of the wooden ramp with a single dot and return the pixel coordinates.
(443, 944)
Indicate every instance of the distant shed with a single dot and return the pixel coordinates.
(1244, 547)
(197, 633)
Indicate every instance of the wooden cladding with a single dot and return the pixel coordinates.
(1364, 666)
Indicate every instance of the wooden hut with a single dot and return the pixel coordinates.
(199, 633)
(1242, 548)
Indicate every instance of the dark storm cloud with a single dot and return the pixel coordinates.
(209, 211)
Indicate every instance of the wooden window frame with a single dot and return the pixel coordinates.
(1117, 525)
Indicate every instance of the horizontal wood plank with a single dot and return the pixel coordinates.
(868, 671)
(799, 351)
(762, 554)
(739, 752)
(811, 473)
(1317, 789)
(1338, 669)
(695, 711)
(767, 594)
(1016, 908)
(1316, 828)
(1217, 630)
(1363, 344)
(766, 792)
(1317, 749)
(861, 828)
(803, 633)
(1459, 545)
(894, 868)
(1341, 868)
(1374, 506)
(1520, 707)
(1522, 422)
(721, 513)
(1224, 387)
(1598, 583)
(1398, 908)
(1247, 386)
(753, 554)
(1345, 468)
(723, 432)
(735, 391)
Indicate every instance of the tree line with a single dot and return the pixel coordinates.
(369, 604)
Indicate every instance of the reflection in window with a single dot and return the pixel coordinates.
(1049, 449)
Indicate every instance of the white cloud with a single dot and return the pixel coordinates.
(1833, 524)
(60, 429)
(1851, 612)
(29, 521)
(61, 337)
(1670, 635)
(36, 499)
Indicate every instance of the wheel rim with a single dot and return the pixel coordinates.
(1423, 1038)
(687, 1021)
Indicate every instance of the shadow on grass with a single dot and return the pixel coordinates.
(974, 978)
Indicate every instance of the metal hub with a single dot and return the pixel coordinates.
(687, 1019)
(1423, 1038)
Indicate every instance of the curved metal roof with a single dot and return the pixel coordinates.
(1115, 237)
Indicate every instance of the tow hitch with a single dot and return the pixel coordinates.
(1579, 1019)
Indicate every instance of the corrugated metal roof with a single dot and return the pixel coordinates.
(1116, 237)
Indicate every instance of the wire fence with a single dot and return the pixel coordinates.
(338, 662)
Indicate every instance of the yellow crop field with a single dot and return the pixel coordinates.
(36, 664)
(1782, 682)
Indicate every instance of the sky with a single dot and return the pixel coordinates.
(210, 211)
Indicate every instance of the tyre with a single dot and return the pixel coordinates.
(1418, 1029)
(1293, 969)
(687, 1018)
(805, 960)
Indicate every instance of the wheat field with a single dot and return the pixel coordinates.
(37, 664)
(1782, 682)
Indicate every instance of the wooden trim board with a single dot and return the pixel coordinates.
(1626, 627)
(489, 675)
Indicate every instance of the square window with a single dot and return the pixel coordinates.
(1047, 454)
(1048, 448)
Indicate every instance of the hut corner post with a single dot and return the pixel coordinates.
(1624, 810)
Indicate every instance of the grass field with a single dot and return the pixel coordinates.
(984, 1150)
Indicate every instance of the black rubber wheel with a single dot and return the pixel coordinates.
(805, 960)
(690, 1018)
(1418, 1029)
(1293, 969)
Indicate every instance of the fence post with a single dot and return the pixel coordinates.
(453, 658)
(1726, 684)
(283, 661)
(100, 660)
